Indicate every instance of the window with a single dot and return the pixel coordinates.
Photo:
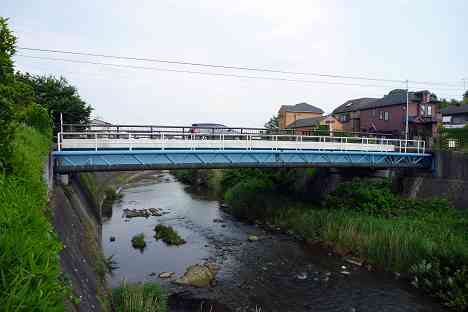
(386, 115)
(429, 110)
(374, 113)
(381, 115)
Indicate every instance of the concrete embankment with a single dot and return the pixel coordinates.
(81, 258)
(448, 180)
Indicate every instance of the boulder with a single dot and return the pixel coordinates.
(166, 274)
(198, 275)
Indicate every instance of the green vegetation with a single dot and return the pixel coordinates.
(426, 240)
(29, 264)
(458, 135)
(147, 297)
(138, 241)
(168, 235)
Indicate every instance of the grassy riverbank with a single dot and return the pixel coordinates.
(426, 241)
(29, 263)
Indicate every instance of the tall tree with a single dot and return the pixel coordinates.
(7, 49)
(58, 96)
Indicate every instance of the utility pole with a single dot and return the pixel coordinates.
(407, 113)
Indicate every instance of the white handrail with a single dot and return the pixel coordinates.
(220, 141)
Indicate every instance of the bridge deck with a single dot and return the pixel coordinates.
(100, 151)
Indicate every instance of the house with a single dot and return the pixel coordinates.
(306, 125)
(455, 116)
(349, 113)
(97, 124)
(291, 113)
(388, 114)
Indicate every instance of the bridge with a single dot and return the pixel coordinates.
(129, 147)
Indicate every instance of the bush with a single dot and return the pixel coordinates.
(29, 248)
(138, 241)
(168, 235)
(38, 118)
(147, 297)
(448, 281)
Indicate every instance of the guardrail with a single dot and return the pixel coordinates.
(101, 140)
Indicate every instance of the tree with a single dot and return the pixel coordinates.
(465, 97)
(273, 123)
(58, 96)
(7, 90)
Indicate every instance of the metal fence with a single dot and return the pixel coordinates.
(168, 137)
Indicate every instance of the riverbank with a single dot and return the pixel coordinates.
(424, 242)
(252, 263)
(30, 273)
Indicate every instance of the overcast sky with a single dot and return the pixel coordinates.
(416, 40)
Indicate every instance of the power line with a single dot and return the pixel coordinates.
(202, 72)
(269, 70)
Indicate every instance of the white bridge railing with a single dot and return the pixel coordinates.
(101, 140)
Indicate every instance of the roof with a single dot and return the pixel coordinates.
(301, 108)
(394, 97)
(98, 122)
(306, 122)
(454, 110)
(353, 105)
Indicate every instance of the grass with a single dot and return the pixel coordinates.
(138, 241)
(29, 248)
(168, 235)
(144, 297)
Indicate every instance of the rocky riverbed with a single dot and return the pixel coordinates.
(243, 267)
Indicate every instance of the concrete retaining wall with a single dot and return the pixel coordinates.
(449, 180)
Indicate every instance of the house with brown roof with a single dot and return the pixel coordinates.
(388, 114)
(307, 126)
(291, 113)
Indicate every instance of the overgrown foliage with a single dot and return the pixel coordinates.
(29, 264)
(57, 96)
(168, 235)
(138, 241)
(144, 297)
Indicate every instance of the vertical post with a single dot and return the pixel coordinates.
(61, 122)
(95, 142)
(407, 111)
(59, 141)
(130, 141)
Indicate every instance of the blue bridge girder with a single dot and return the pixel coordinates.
(67, 161)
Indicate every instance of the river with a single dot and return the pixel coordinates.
(275, 273)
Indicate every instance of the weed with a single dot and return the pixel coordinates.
(168, 235)
(144, 297)
(138, 241)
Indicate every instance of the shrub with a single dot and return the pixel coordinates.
(168, 235)
(138, 241)
(147, 297)
(38, 118)
(448, 281)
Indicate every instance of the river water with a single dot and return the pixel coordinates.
(276, 273)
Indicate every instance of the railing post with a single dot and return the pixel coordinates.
(95, 142)
(162, 141)
(59, 141)
(130, 141)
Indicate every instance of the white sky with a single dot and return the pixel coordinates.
(416, 40)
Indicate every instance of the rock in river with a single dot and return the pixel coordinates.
(198, 275)
(166, 274)
(253, 238)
